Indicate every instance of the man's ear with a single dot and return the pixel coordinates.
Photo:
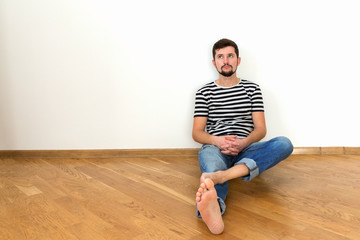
(213, 61)
(239, 60)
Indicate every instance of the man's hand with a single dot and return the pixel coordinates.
(232, 145)
(224, 142)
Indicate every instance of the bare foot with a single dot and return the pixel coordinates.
(208, 206)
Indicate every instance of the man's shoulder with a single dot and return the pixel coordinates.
(208, 86)
(249, 83)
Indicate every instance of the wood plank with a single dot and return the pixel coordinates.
(97, 153)
(307, 150)
(332, 150)
(352, 150)
(133, 153)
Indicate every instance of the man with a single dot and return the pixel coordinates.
(229, 121)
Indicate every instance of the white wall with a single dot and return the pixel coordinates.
(91, 74)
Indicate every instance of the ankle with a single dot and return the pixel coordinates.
(219, 177)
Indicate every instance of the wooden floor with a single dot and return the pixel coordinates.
(304, 197)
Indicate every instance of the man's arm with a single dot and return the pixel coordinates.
(198, 131)
(259, 131)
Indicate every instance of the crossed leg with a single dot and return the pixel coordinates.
(208, 206)
(236, 171)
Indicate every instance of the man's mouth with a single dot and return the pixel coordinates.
(226, 67)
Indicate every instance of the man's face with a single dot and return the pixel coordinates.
(226, 61)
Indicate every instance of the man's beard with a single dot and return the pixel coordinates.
(227, 74)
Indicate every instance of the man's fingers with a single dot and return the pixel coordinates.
(231, 137)
(228, 152)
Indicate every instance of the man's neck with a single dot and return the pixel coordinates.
(228, 81)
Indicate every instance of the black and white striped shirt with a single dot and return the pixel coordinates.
(229, 109)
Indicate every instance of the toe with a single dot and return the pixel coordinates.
(209, 183)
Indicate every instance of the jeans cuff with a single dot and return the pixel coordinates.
(221, 205)
(251, 164)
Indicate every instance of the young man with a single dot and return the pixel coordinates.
(229, 121)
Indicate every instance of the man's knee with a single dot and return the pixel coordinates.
(211, 159)
(283, 146)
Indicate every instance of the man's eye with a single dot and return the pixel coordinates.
(230, 56)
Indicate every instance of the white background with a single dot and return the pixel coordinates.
(87, 74)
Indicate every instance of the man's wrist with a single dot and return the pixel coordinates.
(214, 140)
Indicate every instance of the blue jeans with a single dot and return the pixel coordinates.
(258, 157)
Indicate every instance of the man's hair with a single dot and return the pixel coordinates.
(222, 43)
